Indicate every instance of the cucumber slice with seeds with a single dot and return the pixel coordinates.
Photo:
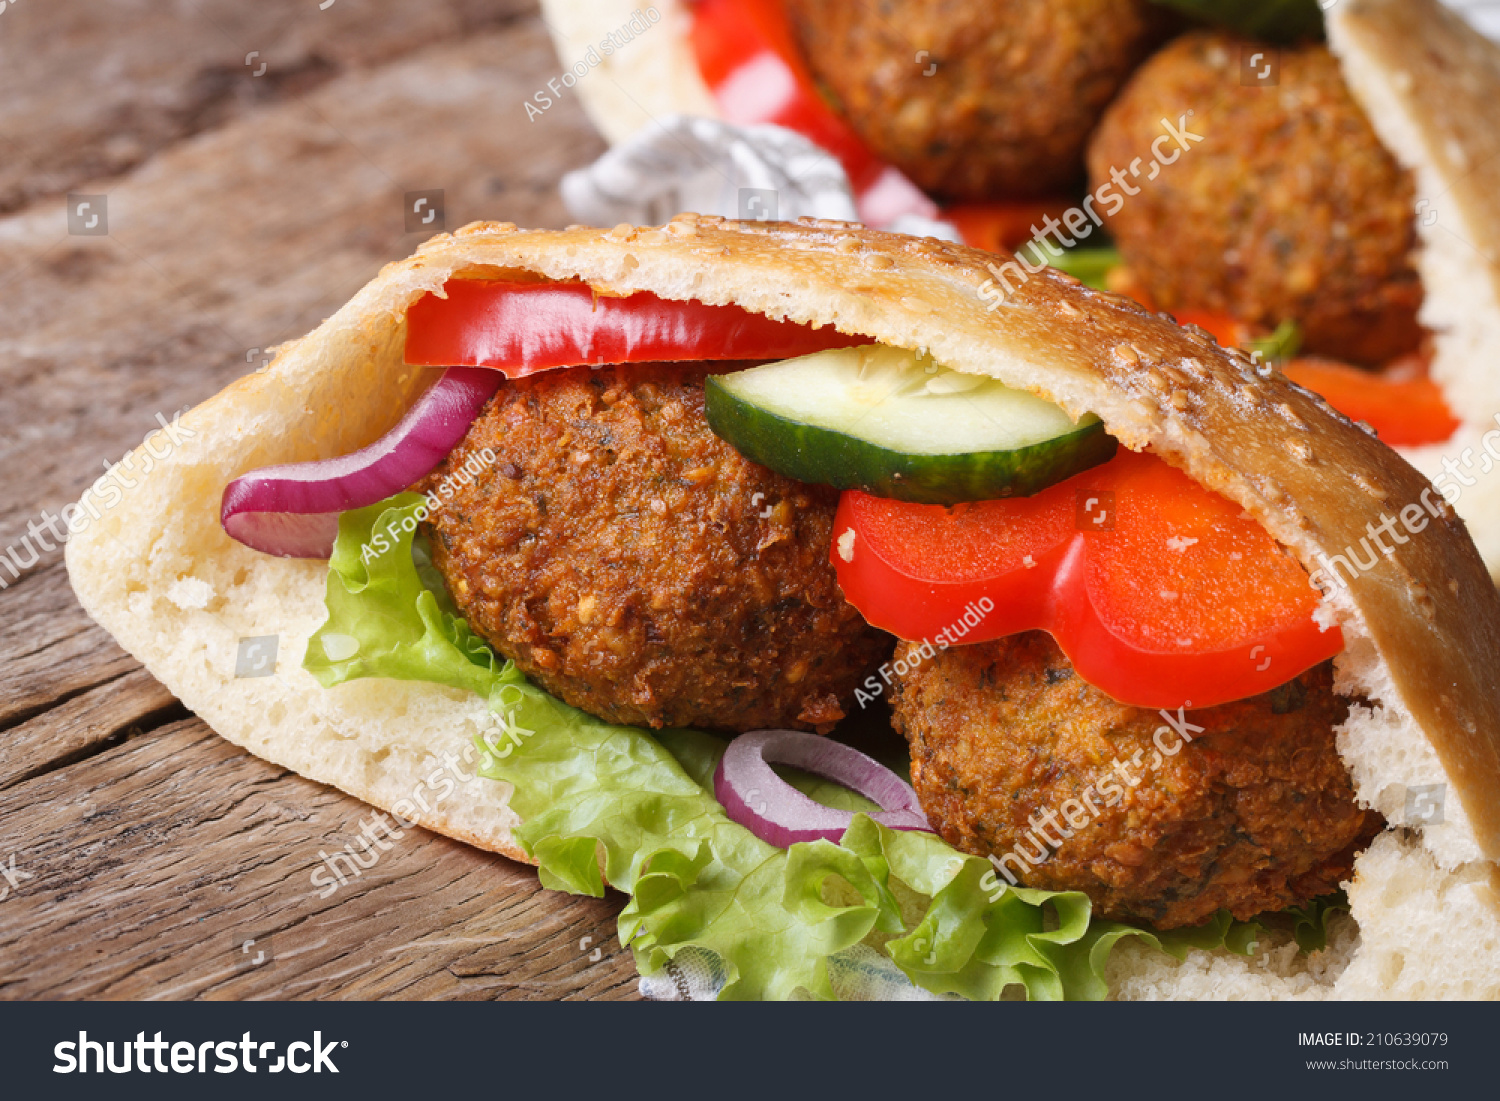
(894, 423)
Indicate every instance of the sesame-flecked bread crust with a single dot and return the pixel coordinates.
(1427, 80)
(1313, 478)
(1430, 83)
(1422, 625)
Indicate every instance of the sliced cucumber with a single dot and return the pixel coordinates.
(895, 424)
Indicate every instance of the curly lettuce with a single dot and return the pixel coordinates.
(604, 803)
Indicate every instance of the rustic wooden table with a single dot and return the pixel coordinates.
(255, 159)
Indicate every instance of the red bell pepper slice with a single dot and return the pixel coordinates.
(1004, 226)
(1161, 593)
(1402, 402)
(522, 328)
(750, 61)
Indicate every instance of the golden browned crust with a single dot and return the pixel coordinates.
(633, 564)
(1291, 209)
(1314, 479)
(1007, 102)
(1259, 815)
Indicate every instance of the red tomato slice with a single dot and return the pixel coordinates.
(1181, 601)
(750, 61)
(522, 328)
(1401, 403)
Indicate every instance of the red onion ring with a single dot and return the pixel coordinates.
(777, 813)
(292, 511)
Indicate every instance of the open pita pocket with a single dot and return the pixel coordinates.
(1422, 625)
(1430, 82)
(1427, 79)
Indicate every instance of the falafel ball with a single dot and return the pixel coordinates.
(1013, 753)
(633, 564)
(977, 99)
(1290, 207)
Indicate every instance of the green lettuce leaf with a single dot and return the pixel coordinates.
(382, 620)
(603, 803)
(1310, 922)
(1272, 20)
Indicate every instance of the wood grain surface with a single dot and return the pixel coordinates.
(144, 857)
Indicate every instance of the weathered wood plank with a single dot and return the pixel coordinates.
(249, 235)
(84, 725)
(50, 650)
(155, 863)
(148, 850)
(95, 89)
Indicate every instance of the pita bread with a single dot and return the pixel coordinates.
(652, 76)
(1427, 79)
(1429, 82)
(1422, 624)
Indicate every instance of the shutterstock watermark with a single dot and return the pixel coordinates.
(1342, 569)
(143, 1056)
(1413, 519)
(379, 832)
(1050, 241)
(1452, 482)
(12, 877)
(1424, 804)
(1080, 811)
(105, 494)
